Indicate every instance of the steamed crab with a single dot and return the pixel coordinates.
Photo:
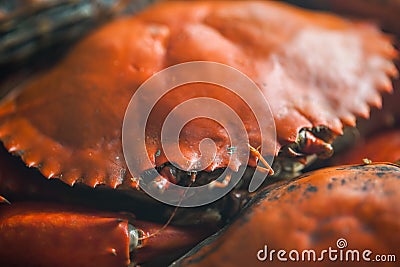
(317, 71)
(341, 208)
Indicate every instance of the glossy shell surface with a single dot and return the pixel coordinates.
(384, 146)
(70, 233)
(314, 69)
(354, 202)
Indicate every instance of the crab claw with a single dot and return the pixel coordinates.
(310, 144)
(49, 234)
(43, 234)
(4, 200)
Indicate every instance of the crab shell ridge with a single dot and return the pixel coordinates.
(314, 69)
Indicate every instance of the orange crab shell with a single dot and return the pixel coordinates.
(30, 230)
(384, 146)
(354, 202)
(314, 69)
(386, 118)
(38, 233)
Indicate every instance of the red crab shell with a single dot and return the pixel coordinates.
(377, 139)
(53, 234)
(314, 69)
(383, 119)
(42, 227)
(354, 202)
(384, 146)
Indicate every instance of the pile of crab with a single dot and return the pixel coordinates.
(70, 194)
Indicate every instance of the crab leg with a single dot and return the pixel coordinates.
(310, 144)
(261, 158)
(222, 184)
(168, 242)
(44, 234)
(4, 200)
(38, 234)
